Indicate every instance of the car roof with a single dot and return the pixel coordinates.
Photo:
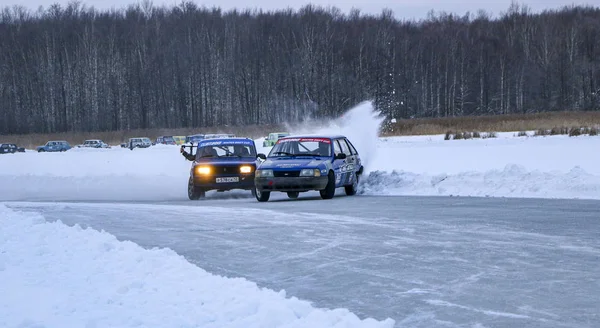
(324, 136)
(224, 140)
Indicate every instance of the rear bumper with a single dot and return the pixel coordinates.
(245, 181)
(291, 183)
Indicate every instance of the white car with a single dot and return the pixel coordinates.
(219, 136)
(94, 143)
(139, 143)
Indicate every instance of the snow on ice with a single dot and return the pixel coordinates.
(507, 166)
(53, 275)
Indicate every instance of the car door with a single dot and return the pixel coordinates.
(348, 163)
(338, 164)
(356, 157)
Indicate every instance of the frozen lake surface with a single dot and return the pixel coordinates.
(422, 261)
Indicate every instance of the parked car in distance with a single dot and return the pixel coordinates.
(179, 140)
(94, 143)
(54, 146)
(302, 163)
(165, 140)
(195, 138)
(221, 164)
(272, 138)
(218, 136)
(10, 149)
(139, 143)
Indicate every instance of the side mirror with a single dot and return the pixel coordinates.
(262, 156)
(340, 156)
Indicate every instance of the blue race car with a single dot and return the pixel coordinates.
(54, 146)
(221, 164)
(302, 163)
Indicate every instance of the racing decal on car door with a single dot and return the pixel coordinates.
(341, 167)
(349, 166)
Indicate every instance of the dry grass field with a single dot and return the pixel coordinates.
(30, 141)
(496, 123)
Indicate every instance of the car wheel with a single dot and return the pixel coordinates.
(329, 190)
(262, 196)
(194, 193)
(293, 194)
(41, 151)
(351, 189)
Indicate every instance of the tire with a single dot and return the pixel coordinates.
(351, 189)
(41, 151)
(262, 196)
(329, 190)
(293, 194)
(194, 193)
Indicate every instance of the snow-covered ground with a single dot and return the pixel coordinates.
(507, 166)
(53, 275)
(81, 277)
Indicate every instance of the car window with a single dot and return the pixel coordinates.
(226, 151)
(354, 152)
(344, 146)
(337, 148)
(302, 146)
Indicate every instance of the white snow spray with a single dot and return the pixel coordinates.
(361, 124)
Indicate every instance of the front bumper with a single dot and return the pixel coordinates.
(286, 184)
(209, 182)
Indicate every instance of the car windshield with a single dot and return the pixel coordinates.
(226, 150)
(302, 147)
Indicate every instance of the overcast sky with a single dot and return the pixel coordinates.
(403, 9)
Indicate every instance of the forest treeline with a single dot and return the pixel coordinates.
(73, 68)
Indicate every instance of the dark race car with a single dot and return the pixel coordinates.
(302, 163)
(221, 164)
(10, 149)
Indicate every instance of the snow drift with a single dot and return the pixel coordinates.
(53, 275)
(513, 180)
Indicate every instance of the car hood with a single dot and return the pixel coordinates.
(288, 162)
(226, 161)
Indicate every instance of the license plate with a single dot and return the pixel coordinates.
(229, 179)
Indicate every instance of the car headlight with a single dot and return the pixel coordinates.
(245, 169)
(264, 173)
(310, 173)
(203, 170)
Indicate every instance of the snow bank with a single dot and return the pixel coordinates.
(434, 155)
(512, 181)
(52, 275)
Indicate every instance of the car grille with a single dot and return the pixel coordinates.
(226, 169)
(286, 174)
